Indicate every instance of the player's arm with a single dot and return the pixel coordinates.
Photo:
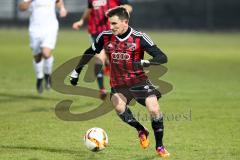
(158, 56)
(62, 10)
(78, 24)
(87, 56)
(24, 5)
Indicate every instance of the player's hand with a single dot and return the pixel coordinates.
(77, 25)
(145, 63)
(74, 77)
(63, 12)
(142, 63)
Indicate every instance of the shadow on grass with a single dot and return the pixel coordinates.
(152, 156)
(53, 150)
(39, 109)
(79, 154)
(7, 97)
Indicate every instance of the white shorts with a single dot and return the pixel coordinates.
(42, 39)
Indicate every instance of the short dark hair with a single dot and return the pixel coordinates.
(121, 12)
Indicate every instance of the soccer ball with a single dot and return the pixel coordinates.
(95, 139)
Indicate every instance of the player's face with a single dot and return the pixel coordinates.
(117, 25)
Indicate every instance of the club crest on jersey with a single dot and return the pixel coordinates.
(132, 46)
(98, 3)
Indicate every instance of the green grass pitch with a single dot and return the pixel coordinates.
(203, 109)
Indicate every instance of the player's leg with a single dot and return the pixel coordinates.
(48, 44)
(106, 67)
(157, 124)
(147, 95)
(98, 70)
(38, 67)
(48, 65)
(37, 60)
(120, 103)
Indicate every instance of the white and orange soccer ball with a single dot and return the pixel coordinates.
(96, 139)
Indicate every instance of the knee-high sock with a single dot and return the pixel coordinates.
(48, 65)
(127, 117)
(158, 128)
(99, 74)
(38, 67)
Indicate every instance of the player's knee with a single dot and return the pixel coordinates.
(100, 59)
(46, 53)
(119, 106)
(120, 109)
(154, 111)
(119, 103)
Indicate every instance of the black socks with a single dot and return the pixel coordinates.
(127, 117)
(157, 125)
(99, 74)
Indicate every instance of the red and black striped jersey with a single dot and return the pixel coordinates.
(97, 21)
(122, 53)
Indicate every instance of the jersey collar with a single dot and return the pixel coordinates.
(127, 36)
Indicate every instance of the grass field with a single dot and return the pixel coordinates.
(203, 109)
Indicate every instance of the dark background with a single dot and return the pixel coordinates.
(151, 14)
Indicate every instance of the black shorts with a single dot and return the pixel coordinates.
(139, 92)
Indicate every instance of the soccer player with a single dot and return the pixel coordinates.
(97, 22)
(125, 48)
(43, 30)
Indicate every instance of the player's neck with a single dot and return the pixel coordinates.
(125, 33)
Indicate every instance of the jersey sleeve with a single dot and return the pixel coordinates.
(97, 46)
(148, 45)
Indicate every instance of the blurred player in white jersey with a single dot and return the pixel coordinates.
(43, 30)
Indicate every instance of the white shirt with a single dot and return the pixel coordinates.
(43, 15)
